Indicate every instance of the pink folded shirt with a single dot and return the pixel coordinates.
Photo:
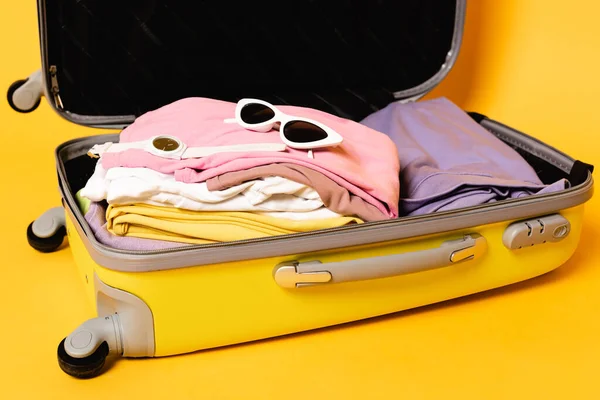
(366, 162)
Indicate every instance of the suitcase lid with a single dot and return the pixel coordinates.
(107, 62)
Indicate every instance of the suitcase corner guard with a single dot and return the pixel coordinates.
(124, 327)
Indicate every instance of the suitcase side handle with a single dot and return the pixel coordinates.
(293, 274)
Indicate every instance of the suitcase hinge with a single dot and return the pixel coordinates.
(54, 87)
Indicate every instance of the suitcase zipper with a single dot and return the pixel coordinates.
(324, 233)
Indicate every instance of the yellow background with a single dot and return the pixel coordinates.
(531, 64)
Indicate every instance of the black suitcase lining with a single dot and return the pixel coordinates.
(345, 57)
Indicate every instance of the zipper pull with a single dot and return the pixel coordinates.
(54, 87)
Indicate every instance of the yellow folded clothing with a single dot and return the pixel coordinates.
(203, 227)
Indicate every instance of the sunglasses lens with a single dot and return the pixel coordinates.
(256, 113)
(303, 132)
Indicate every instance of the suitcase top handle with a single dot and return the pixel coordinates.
(296, 275)
(520, 234)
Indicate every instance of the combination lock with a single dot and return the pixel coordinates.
(535, 231)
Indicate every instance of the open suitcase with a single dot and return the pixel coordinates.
(105, 63)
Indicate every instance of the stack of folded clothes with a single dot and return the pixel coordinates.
(191, 173)
(448, 161)
(205, 171)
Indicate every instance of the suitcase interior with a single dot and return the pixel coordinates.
(105, 63)
(116, 60)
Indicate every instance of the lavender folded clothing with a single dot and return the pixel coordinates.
(448, 161)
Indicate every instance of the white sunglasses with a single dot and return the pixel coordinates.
(296, 132)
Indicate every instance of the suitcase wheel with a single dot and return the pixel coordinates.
(82, 368)
(45, 245)
(83, 353)
(25, 95)
(47, 232)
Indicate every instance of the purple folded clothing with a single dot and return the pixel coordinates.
(96, 218)
(449, 161)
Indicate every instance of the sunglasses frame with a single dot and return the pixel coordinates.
(333, 138)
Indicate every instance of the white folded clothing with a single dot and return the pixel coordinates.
(277, 195)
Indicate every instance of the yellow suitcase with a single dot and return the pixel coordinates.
(104, 63)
